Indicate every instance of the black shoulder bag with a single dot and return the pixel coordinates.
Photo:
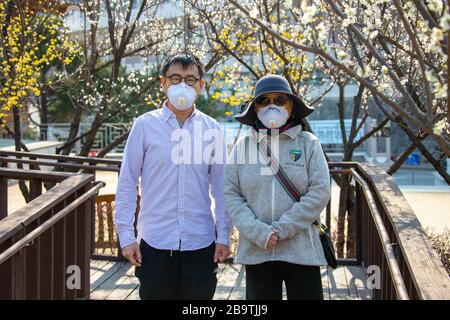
(287, 185)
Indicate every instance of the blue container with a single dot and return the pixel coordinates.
(413, 159)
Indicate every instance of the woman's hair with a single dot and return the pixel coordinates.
(186, 60)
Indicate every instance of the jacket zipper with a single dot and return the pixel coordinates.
(273, 211)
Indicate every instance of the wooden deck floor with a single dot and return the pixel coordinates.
(116, 281)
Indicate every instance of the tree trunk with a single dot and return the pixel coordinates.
(43, 111)
(18, 147)
(73, 131)
(90, 138)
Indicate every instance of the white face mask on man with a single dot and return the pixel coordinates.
(181, 96)
(273, 116)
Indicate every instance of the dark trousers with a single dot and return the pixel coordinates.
(175, 275)
(264, 281)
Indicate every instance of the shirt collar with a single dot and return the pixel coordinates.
(167, 113)
(291, 132)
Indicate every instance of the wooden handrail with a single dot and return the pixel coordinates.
(60, 157)
(60, 164)
(50, 176)
(37, 207)
(422, 273)
(415, 254)
(16, 247)
(394, 269)
(40, 241)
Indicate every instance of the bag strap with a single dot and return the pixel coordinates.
(278, 171)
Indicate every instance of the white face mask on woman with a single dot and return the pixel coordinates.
(181, 96)
(273, 116)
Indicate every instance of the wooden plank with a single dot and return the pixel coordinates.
(325, 283)
(60, 157)
(227, 281)
(61, 164)
(358, 277)
(125, 285)
(238, 290)
(97, 265)
(103, 275)
(338, 284)
(25, 174)
(350, 284)
(108, 286)
(134, 295)
(221, 267)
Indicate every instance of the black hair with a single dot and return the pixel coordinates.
(186, 60)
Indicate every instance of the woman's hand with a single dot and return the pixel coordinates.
(222, 252)
(273, 240)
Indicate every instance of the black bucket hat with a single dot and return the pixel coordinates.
(272, 83)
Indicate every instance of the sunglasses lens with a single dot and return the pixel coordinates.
(280, 101)
(263, 101)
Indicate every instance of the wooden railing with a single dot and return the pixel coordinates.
(389, 236)
(105, 245)
(60, 162)
(386, 232)
(42, 243)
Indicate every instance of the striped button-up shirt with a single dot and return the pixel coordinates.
(181, 167)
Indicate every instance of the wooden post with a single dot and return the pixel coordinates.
(46, 261)
(35, 188)
(59, 253)
(71, 247)
(19, 269)
(33, 266)
(6, 274)
(84, 244)
(358, 223)
(3, 197)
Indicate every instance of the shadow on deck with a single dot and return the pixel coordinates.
(116, 281)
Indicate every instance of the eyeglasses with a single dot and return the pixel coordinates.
(189, 80)
(265, 101)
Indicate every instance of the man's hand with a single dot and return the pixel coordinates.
(273, 240)
(133, 254)
(222, 252)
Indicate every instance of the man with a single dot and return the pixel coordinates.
(179, 154)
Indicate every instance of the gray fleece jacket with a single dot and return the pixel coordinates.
(257, 202)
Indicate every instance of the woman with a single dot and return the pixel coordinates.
(278, 239)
